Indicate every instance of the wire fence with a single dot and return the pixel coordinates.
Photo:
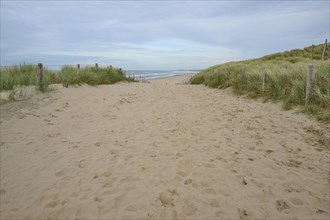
(57, 68)
(54, 67)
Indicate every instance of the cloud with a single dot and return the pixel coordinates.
(149, 35)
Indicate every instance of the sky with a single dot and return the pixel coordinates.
(156, 35)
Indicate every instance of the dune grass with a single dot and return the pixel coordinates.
(26, 74)
(285, 80)
(89, 75)
(22, 75)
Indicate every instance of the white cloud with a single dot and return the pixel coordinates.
(157, 34)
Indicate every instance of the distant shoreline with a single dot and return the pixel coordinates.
(154, 74)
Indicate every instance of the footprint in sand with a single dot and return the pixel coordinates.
(51, 205)
(106, 174)
(113, 153)
(320, 211)
(74, 146)
(188, 181)
(189, 209)
(214, 203)
(95, 176)
(48, 121)
(83, 163)
(108, 183)
(128, 157)
(166, 198)
(131, 208)
(129, 179)
(244, 181)
(52, 115)
(281, 205)
(60, 173)
(292, 163)
(225, 191)
(98, 199)
(182, 173)
(296, 201)
(220, 214)
(269, 151)
(243, 214)
(207, 182)
(209, 165)
(209, 191)
(178, 155)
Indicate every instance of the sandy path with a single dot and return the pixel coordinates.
(160, 150)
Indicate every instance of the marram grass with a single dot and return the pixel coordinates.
(285, 80)
(23, 75)
(26, 74)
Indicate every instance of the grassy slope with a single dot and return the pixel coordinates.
(285, 80)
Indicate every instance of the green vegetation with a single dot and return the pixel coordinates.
(89, 75)
(22, 75)
(286, 75)
(26, 74)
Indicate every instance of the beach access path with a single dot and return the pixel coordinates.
(160, 150)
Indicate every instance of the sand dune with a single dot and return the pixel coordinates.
(161, 150)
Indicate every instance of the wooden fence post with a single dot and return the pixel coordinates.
(325, 49)
(40, 73)
(96, 67)
(264, 76)
(78, 69)
(309, 82)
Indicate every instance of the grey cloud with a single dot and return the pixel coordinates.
(205, 32)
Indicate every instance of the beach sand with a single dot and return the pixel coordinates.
(160, 150)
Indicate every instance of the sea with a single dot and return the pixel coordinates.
(153, 74)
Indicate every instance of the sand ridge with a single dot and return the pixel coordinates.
(160, 150)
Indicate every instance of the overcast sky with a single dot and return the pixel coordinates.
(156, 34)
